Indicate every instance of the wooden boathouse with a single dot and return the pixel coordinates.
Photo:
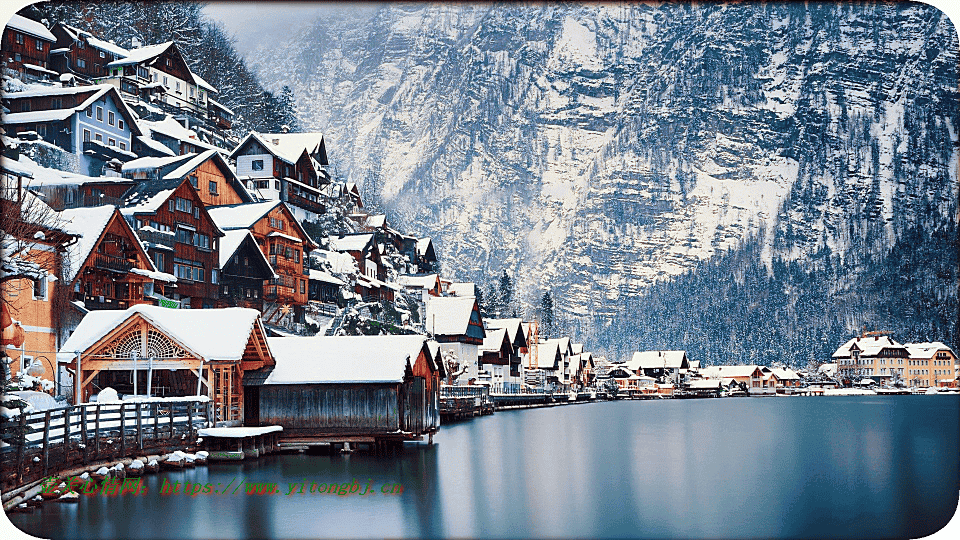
(346, 389)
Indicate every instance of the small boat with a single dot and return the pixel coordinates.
(202, 456)
(152, 466)
(174, 461)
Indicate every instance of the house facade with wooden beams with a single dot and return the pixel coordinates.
(286, 244)
(243, 270)
(156, 351)
(26, 48)
(181, 237)
(455, 323)
(289, 167)
(81, 54)
(107, 268)
(88, 120)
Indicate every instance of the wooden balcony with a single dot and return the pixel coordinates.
(112, 263)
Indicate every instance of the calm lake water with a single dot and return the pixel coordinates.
(832, 467)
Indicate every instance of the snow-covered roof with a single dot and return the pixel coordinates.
(287, 146)
(241, 216)
(658, 359)
(703, 384)
(462, 289)
(88, 224)
(148, 196)
(785, 374)
(725, 372)
(173, 129)
(548, 355)
(418, 281)
(450, 316)
(150, 163)
(112, 48)
(326, 277)
(494, 340)
(513, 327)
(351, 242)
(927, 349)
(190, 327)
(868, 346)
(49, 115)
(220, 106)
(278, 234)
(136, 56)
(29, 26)
(423, 245)
(376, 222)
(44, 176)
(200, 81)
(237, 432)
(343, 359)
(156, 146)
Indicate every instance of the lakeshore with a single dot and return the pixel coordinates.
(831, 467)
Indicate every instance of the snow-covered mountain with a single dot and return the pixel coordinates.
(597, 149)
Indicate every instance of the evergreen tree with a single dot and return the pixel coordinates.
(546, 316)
(506, 295)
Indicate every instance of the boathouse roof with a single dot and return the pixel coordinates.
(344, 359)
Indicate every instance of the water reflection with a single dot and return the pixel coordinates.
(733, 468)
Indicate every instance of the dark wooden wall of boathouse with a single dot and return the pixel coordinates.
(346, 409)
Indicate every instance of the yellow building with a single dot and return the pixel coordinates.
(872, 356)
(931, 364)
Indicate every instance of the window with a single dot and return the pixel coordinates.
(57, 103)
(193, 182)
(89, 111)
(123, 146)
(185, 236)
(276, 185)
(111, 118)
(184, 205)
(40, 289)
(25, 106)
(143, 73)
(202, 241)
(213, 187)
(112, 142)
(155, 77)
(42, 130)
(170, 205)
(39, 45)
(196, 212)
(100, 114)
(178, 86)
(166, 81)
(303, 287)
(215, 276)
(20, 38)
(16, 56)
(120, 124)
(98, 137)
(256, 165)
(81, 63)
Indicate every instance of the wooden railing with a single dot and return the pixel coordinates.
(38, 443)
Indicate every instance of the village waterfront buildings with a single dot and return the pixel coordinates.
(147, 224)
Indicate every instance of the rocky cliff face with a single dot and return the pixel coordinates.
(597, 150)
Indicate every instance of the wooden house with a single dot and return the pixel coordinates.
(107, 268)
(750, 376)
(426, 255)
(181, 236)
(289, 167)
(324, 287)
(80, 53)
(786, 377)
(89, 120)
(208, 172)
(347, 388)
(168, 137)
(662, 365)
(26, 48)
(455, 322)
(243, 270)
(285, 243)
(151, 350)
(545, 364)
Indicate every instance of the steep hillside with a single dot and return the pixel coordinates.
(598, 150)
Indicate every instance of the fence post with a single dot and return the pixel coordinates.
(123, 431)
(156, 422)
(46, 442)
(173, 407)
(190, 419)
(98, 431)
(22, 428)
(139, 426)
(83, 432)
(66, 434)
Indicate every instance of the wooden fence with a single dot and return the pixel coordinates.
(37, 444)
(464, 401)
